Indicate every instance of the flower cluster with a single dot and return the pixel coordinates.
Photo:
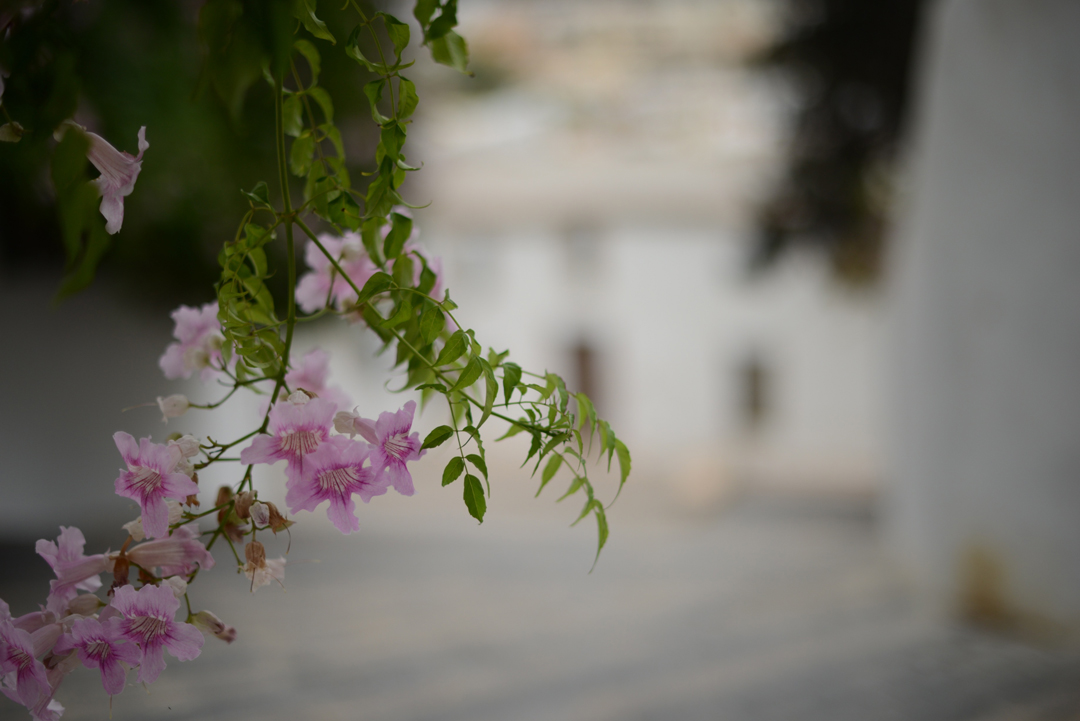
(132, 630)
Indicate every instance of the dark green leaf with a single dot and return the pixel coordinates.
(407, 98)
(479, 462)
(423, 11)
(469, 375)
(474, 497)
(451, 50)
(491, 390)
(303, 148)
(437, 437)
(398, 32)
(453, 469)
(376, 284)
(374, 91)
(602, 531)
(323, 99)
(304, 10)
(511, 376)
(403, 313)
(259, 194)
(433, 386)
(311, 54)
(454, 349)
(431, 324)
(623, 454)
(292, 115)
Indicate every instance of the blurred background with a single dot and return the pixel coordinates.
(816, 261)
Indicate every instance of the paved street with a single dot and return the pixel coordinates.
(770, 610)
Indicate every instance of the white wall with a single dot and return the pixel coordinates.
(986, 331)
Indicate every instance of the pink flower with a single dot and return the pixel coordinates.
(27, 683)
(73, 570)
(150, 479)
(393, 444)
(334, 472)
(312, 375)
(149, 620)
(199, 348)
(102, 646)
(324, 283)
(177, 555)
(119, 171)
(297, 427)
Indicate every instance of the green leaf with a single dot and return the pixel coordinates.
(549, 471)
(602, 531)
(303, 148)
(403, 313)
(623, 454)
(311, 54)
(304, 10)
(374, 91)
(512, 431)
(400, 230)
(511, 377)
(323, 99)
(446, 21)
(376, 284)
(574, 488)
(391, 139)
(469, 375)
(423, 11)
(479, 462)
(474, 497)
(431, 324)
(437, 437)
(451, 50)
(292, 115)
(491, 390)
(407, 98)
(398, 32)
(346, 212)
(453, 469)
(433, 386)
(259, 194)
(454, 349)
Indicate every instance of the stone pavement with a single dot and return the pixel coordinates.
(771, 611)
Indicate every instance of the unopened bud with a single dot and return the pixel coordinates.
(177, 584)
(173, 406)
(243, 503)
(188, 445)
(120, 573)
(299, 398)
(211, 625)
(224, 495)
(260, 514)
(85, 604)
(343, 422)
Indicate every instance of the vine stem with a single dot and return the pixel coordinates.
(288, 218)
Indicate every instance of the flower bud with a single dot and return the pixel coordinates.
(173, 406)
(178, 585)
(260, 514)
(343, 422)
(243, 503)
(211, 625)
(85, 604)
(299, 398)
(188, 445)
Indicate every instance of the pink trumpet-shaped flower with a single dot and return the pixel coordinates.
(313, 375)
(297, 427)
(102, 646)
(393, 444)
(324, 283)
(177, 555)
(149, 620)
(334, 472)
(73, 570)
(119, 171)
(198, 333)
(24, 675)
(150, 479)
